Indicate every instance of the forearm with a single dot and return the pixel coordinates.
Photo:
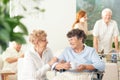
(89, 67)
(65, 65)
(11, 59)
(116, 43)
(14, 59)
(83, 67)
(95, 43)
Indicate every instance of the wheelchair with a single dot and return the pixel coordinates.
(98, 74)
(95, 74)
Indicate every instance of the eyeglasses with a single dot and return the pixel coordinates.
(44, 40)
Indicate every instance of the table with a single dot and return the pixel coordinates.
(111, 71)
(5, 74)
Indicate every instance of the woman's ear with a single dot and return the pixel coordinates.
(81, 39)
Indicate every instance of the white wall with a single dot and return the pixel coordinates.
(56, 21)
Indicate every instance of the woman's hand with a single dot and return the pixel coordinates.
(63, 65)
(81, 68)
(52, 61)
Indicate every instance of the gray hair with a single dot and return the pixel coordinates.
(106, 10)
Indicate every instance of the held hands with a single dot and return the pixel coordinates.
(81, 68)
(76, 67)
(66, 65)
(63, 65)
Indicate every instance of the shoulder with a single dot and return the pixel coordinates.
(97, 24)
(10, 49)
(89, 49)
(76, 25)
(113, 21)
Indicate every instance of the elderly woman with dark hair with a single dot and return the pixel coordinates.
(79, 57)
(39, 59)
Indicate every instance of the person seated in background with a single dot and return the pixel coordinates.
(81, 22)
(105, 32)
(10, 57)
(39, 58)
(78, 57)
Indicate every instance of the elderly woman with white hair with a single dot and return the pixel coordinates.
(105, 32)
(39, 58)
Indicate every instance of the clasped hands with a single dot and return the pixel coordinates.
(67, 66)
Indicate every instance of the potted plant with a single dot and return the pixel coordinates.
(7, 26)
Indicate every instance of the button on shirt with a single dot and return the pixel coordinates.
(87, 56)
(105, 34)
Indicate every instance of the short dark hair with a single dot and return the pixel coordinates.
(78, 33)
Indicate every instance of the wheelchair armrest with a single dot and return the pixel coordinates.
(98, 73)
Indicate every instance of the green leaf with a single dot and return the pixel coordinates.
(5, 37)
(5, 1)
(12, 22)
(8, 24)
(18, 37)
(24, 29)
(4, 45)
(4, 24)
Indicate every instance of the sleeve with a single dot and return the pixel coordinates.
(95, 29)
(42, 71)
(97, 62)
(30, 70)
(116, 31)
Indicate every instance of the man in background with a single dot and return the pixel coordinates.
(105, 32)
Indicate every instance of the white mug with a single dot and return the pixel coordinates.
(73, 65)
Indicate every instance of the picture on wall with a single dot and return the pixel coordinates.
(94, 8)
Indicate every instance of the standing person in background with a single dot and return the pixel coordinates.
(81, 22)
(10, 57)
(105, 32)
(39, 58)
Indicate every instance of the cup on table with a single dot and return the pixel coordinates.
(73, 65)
